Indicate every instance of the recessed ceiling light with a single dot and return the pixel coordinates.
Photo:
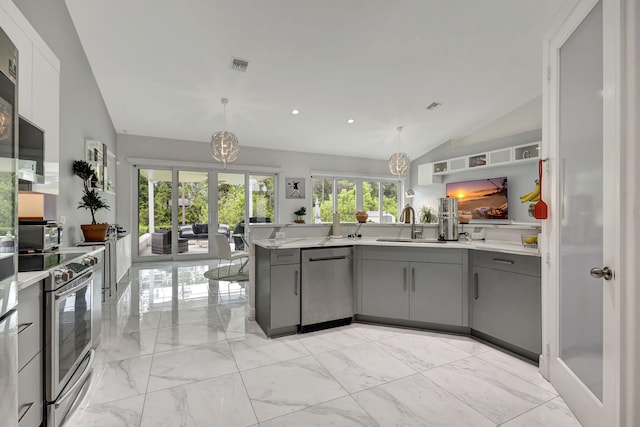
(295, 112)
(350, 121)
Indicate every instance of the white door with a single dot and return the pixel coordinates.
(583, 228)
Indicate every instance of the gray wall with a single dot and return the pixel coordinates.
(292, 164)
(83, 113)
(521, 176)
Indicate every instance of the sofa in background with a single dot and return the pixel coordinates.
(161, 243)
(201, 231)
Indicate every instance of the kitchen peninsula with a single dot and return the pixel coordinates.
(488, 289)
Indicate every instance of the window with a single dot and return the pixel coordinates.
(379, 198)
(257, 190)
(263, 195)
(390, 206)
(346, 191)
(322, 200)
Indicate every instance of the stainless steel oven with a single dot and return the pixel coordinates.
(69, 356)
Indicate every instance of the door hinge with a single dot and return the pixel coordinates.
(547, 258)
(548, 351)
(548, 74)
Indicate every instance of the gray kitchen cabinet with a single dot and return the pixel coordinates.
(409, 289)
(385, 289)
(285, 295)
(277, 290)
(506, 301)
(436, 293)
(30, 365)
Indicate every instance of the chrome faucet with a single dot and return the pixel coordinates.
(409, 214)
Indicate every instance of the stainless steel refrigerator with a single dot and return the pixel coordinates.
(8, 227)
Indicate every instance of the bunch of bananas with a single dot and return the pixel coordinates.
(533, 196)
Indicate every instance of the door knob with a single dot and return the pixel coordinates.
(604, 272)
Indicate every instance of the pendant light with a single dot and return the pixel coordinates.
(399, 162)
(224, 145)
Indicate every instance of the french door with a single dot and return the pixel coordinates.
(582, 290)
(173, 213)
(180, 209)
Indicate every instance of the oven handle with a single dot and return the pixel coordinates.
(75, 288)
(80, 382)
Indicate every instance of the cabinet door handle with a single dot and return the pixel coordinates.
(503, 261)
(24, 409)
(475, 286)
(296, 282)
(404, 279)
(23, 326)
(413, 279)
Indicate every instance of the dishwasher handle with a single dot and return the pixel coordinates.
(329, 258)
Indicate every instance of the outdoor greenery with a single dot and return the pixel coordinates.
(346, 189)
(231, 201)
(194, 195)
(7, 192)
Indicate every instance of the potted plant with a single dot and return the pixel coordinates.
(299, 214)
(427, 215)
(92, 201)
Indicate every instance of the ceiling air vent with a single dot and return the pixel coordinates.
(433, 106)
(239, 64)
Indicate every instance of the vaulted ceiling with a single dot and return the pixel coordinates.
(163, 66)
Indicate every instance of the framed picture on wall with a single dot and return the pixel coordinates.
(294, 188)
(96, 156)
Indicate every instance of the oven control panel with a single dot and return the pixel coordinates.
(89, 260)
(62, 275)
(67, 272)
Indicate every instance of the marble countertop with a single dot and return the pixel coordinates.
(319, 242)
(28, 278)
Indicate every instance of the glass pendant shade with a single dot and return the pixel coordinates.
(224, 147)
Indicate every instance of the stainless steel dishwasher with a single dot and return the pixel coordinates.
(326, 287)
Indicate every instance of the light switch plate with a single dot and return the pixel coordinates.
(280, 234)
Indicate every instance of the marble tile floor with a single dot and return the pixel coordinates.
(178, 350)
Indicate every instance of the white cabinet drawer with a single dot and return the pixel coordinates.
(30, 394)
(29, 323)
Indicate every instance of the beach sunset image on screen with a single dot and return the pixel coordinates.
(484, 198)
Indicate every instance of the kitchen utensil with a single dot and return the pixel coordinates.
(540, 211)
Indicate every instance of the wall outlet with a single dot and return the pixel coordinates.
(62, 220)
(280, 234)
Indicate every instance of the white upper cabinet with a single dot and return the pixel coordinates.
(25, 62)
(426, 175)
(503, 156)
(527, 152)
(38, 88)
(46, 113)
(500, 157)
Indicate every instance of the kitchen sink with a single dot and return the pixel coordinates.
(408, 240)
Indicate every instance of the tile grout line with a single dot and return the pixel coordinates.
(522, 378)
(375, 341)
(244, 386)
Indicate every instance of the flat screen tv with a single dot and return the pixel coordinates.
(484, 198)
